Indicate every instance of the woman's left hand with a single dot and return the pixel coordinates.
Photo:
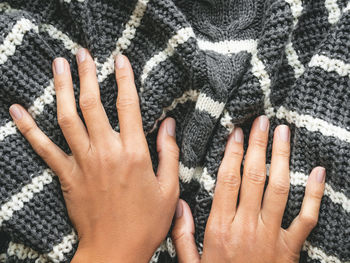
(121, 210)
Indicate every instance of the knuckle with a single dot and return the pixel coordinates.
(134, 156)
(88, 101)
(315, 194)
(61, 83)
(259, 142)
(27, 129)
(256, 176)
(123, 76)
(309, 221)
(236, 152)
(42, 149)
(229, 178)
(87, 68)
(65, 120)
(279, 187)
(124, 103)
(283, 151)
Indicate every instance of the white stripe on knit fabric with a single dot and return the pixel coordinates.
(186, 174)
(56, 255)
(313, 124)
(181, 37)
(334, 12)
(190, 95)
(125, 40)
(59, 35)
(167, 245)
(318, 254)
(228, 47)
(3, 257)
(207, 104)
(296, 7)
(330, 65)
(15, 37)
(27, 192)
(5, 7)
(226, 121)
(259, 71)
(298, 178)
(69, 1)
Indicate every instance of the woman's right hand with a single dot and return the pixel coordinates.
(250, 230)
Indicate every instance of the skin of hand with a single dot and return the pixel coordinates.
(250, 231)
(121, 210)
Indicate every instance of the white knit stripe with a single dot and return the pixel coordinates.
(22, 252)
(228, 47)
(186, 174)
(167, 245)
(125, 40)
(259, 71)
(181, 37)
(207, 181)
(313, 124)
(293, 60)
(8, 129)
(190, 95)
(296, 7)
(59, 35)
(5, 7)
(56, 255)
(298, 178)
(347, 8)
(318, 254)
(66, 246)
(330, 65)
(334, 12)
(207, 104)
(15, 37)
(27, 192)
(69, 1)
(226, 121)
(3, 257)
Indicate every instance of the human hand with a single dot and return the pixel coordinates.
(251, 231)
(120, 209)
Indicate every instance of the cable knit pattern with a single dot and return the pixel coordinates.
(210, 64)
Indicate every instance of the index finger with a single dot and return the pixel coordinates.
(129, 113)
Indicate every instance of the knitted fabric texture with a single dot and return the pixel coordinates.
(211, 65)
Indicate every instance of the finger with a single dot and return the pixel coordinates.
(276, 194)
(229, 178)
(168, 152)
(183, 235)
(254, 173)
(56, 159)
(308, 216)
(71, 125)
(94, 114)
(129, 114)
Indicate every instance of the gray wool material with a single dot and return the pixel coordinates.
(211, 65)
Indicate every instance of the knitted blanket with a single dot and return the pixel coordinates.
(211, 65)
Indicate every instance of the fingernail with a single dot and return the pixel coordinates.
(179, 209)
(59, 65)
(170, 126)
(81, 55)
(119, 61)
(263, 123)
(16, 112)
(321, 175)
(238, 135)
(283, 132)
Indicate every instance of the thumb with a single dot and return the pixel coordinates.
(168, 153)
(183, 234)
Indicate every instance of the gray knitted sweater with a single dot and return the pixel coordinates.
(210, 64)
